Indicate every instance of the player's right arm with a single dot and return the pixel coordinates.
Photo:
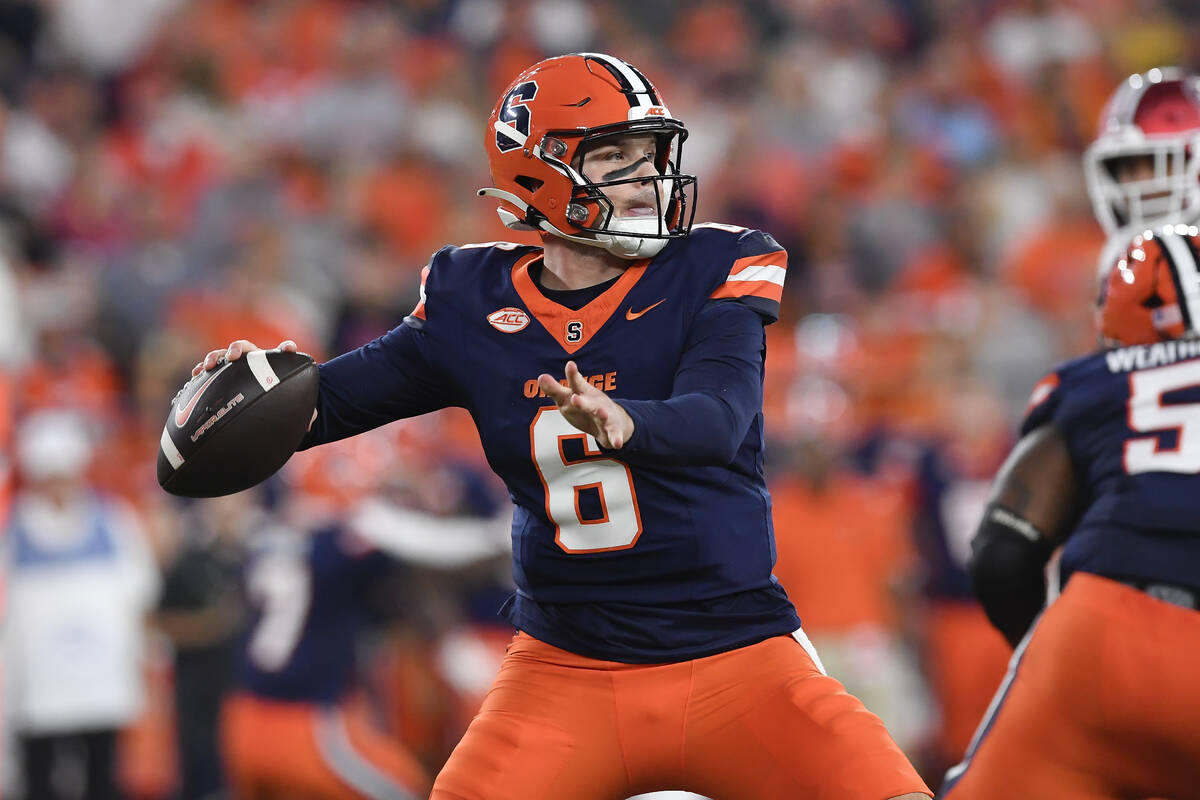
(1032, 509)
(385, 380)
(393, 377)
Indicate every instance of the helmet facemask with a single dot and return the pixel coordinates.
(669, 193)
(1171, 192)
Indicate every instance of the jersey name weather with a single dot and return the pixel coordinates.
(1142, 356)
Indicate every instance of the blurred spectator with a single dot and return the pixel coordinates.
(69, 370)
(964, 657)
(81, 579)
(362, 88)
(13, 333)
(35, 161)
(106, 34)
(20, 28)
(203, 612)
(1029, 33)
(846, 559)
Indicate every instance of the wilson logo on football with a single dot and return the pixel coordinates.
(509, 320)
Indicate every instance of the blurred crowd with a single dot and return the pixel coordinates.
(175, 174)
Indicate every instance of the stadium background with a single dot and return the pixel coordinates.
(176, 174)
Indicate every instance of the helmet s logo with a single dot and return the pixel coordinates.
(508, 320)
(574, 331)
(514, 112)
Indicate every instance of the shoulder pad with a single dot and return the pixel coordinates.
(1047, 402)
(757, 266)
(1043, 402)
(453, 267)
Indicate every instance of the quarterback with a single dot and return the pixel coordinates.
(615, 376)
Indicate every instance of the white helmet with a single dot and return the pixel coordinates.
(1154, 114)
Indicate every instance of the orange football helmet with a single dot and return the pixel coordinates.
(1152, 293)
(1155, 114)
(545, 121)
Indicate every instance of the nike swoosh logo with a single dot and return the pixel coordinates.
(631, 314)
(185, 413)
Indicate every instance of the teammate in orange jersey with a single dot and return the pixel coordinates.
(1101, 699)
(656, 650)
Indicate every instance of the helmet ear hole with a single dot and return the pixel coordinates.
(529, 182)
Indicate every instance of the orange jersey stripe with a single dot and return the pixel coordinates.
(777, 258)
(764, 289)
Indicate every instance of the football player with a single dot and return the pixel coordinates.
(615, 376)
(1101, 700)
(1144, 167)
(295, 726)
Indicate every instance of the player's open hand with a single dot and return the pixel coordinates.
(235, 351)
(589, 409)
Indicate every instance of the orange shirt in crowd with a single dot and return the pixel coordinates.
(1055, 268)
(84, 378)
(840, 551)
(214, 320)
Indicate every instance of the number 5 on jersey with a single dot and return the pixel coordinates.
(1148, 414)
(574, 474)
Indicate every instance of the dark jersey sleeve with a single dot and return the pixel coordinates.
(396, 376)
(755, 278)
(1043, 405)
(715, 396)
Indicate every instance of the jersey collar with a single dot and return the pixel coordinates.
(572, 328)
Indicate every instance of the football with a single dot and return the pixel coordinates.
(232, 427)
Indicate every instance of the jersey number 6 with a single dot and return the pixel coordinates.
(568, 478)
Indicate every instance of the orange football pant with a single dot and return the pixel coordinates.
(761, 722)
(1102, 701)
(276, 750)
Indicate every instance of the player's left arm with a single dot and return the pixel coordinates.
(1032, 509)
(716, 394)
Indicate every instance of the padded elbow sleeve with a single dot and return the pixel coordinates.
(1007, 568)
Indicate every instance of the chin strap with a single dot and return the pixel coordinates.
(624, 246)
(619, 244)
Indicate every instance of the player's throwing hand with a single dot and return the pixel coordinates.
(589, 409)
(234, 352)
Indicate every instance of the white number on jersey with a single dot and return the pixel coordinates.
(1147, 414)
(281, 585)
(565, 478)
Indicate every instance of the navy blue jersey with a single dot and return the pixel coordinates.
(310, 603)
(948, 504)
(1131, 421)
(661, 551)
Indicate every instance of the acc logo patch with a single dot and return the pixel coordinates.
(641, 112)
(508, 320)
